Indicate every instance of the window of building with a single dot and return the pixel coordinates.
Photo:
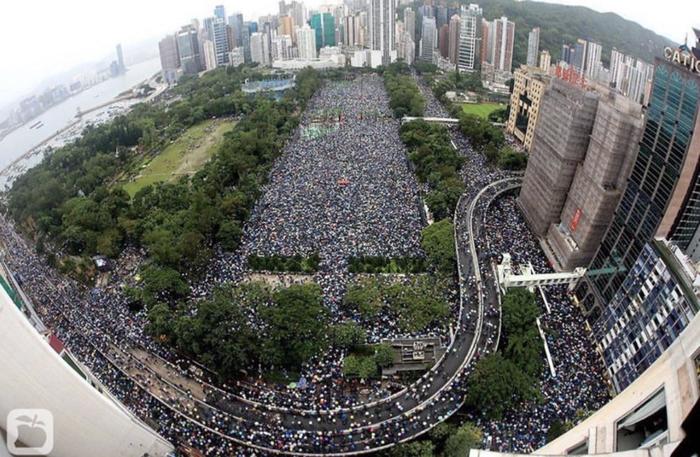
(645, 426)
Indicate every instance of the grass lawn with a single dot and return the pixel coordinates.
(182, 157)
(481, 109)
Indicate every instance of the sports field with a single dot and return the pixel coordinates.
(182, 157)
(481, 109)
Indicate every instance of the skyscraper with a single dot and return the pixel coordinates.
(324, 27)
(169, 58)
(427, 41)
(444, 40)
(560, 142)
(409, 21)
(235, 22)
(209, 55)
(217, 32)
(545, 60)
(663, 179)
(469, 38)
(120, 59)
(381, 18)
(453, 45)
(286, 27)
(220, 12)
(593, 64)
(188, 50)
(259, 48)
(504, 39)
(306, 42)
(578, 58)
(533, 47)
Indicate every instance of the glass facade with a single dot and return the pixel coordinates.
(324, 26)
(667, 133)
(651, 308)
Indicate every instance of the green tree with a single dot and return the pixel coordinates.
(348, 335)
(383, 355)
(467, 437)
(438, 243)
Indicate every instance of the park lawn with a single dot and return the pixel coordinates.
(481, 109)
(182, 157)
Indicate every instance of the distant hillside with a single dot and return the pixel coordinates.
(561, 24)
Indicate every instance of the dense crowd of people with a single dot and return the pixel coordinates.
(344, 193)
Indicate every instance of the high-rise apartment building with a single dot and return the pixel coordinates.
(381, 16)
(660, 186)
(453, 44)
(306, 42)
(560, 142)
(504, 40)
(598, 183)
(209, 51)
(545, 61)
(487, 32)
(529, 86)
(281, 48)
(427, 41)
(216, 31)
(533, 47)
(188, 50)
(259, 50)
(286, 27)
(220, 12)
(593, 64)
(578, 57)
(235, 23)
(469, 38)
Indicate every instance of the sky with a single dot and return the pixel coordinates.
(40, 38)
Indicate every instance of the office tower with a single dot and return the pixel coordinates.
(298, 12)
(188, 50)
(324, 27)
(504, 39)
(656, 302)
(406, 48)
(245, 39)
(528, 88)
(210, 61)
(349, 31)
(120, 59)
(545, 60)
(661, 185)
(259, 50)
(567, 53)
(469, 38)
(220, 12)
(169, 58)
(235, 22)
(578, 58)
(427, 41)
(216, 31)
(599, 182)
(444, 40)
(306, 42)
(381, 17)
(286, 27)
(362, 29)
(533, 47)
(441, 16)
(426, 11)
(409, 20)
(453, 45)
(487, 40)
(560, 142)
(593, 63)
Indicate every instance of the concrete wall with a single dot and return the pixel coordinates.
(86, 423)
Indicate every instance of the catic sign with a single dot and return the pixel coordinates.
(684, 58)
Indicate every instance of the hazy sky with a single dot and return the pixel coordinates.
(40, 38)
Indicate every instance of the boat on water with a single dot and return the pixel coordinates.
(36, 125)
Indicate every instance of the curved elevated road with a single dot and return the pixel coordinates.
(365, 428)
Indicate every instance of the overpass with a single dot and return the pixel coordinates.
(528, 278)
(441, 120)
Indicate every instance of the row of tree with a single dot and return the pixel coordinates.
(278, 263)
(436, 163)
(374, 264)
(444, 440)
(405, 98)
(489, 139)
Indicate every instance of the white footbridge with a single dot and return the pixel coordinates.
(528, 278)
